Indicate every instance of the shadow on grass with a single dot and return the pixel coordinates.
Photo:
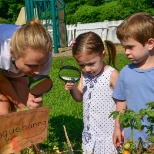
(56, 134)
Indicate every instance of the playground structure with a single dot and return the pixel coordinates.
(52, 15)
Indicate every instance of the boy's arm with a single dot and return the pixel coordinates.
(7, 90)
(117, 135)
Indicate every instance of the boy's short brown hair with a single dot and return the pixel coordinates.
(139, 26)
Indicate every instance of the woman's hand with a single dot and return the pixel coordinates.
(34, 102)
(20, 106)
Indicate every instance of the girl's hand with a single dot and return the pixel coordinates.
(70, 85)
(34, 102)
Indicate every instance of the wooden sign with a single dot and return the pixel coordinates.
(19, 130)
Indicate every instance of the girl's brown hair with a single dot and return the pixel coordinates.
(90, 43)
(139, 26)
(31, 35)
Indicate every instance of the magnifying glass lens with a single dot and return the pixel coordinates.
(40, 85)
(69, 74)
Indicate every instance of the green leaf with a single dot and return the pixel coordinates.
(126, 124)
(150, 113)
(150, 105)
(123, 118)
(138, 123)
(151, 139)
(150, 119)
(142, 113)
(114, 114)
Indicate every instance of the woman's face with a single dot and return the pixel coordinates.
(91, 64)
(32, 62)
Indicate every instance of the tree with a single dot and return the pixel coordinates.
(135, 5)
(4, 9)
(11, 9)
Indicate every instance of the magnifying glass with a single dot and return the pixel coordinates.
(69, 73)
(40, 85)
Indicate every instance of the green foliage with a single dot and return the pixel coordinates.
(3, 8)
(3, 21)
(85, 11)
(10, 9)
(138, 4)
(113, 10)
(94, 2)
(134, 120)
(110, 11)
(98, 11)
(86, 14)
(131, 6)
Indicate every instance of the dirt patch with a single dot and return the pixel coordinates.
(62, 52)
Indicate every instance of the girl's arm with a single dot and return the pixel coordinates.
(7, 90)
(113, 78)
(76, 91)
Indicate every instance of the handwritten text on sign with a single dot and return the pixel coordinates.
(19, 130)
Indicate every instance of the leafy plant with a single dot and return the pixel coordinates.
(134, 120)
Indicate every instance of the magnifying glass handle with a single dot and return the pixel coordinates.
(73, 81)
(71, 91)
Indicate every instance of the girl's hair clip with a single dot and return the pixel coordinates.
(72, 44)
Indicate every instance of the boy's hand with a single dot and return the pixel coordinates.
(118, 137)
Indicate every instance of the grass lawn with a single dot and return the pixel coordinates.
(64, 110)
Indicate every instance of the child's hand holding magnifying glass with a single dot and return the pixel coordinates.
(70, 75)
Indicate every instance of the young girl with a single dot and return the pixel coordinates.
(95, 90)
(26, 53)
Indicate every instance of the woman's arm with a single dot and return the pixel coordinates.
(7, 90)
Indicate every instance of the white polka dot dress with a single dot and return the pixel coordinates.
(97, 105)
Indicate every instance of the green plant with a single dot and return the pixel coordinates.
(133, 120)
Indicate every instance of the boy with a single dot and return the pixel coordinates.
(135, 85)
